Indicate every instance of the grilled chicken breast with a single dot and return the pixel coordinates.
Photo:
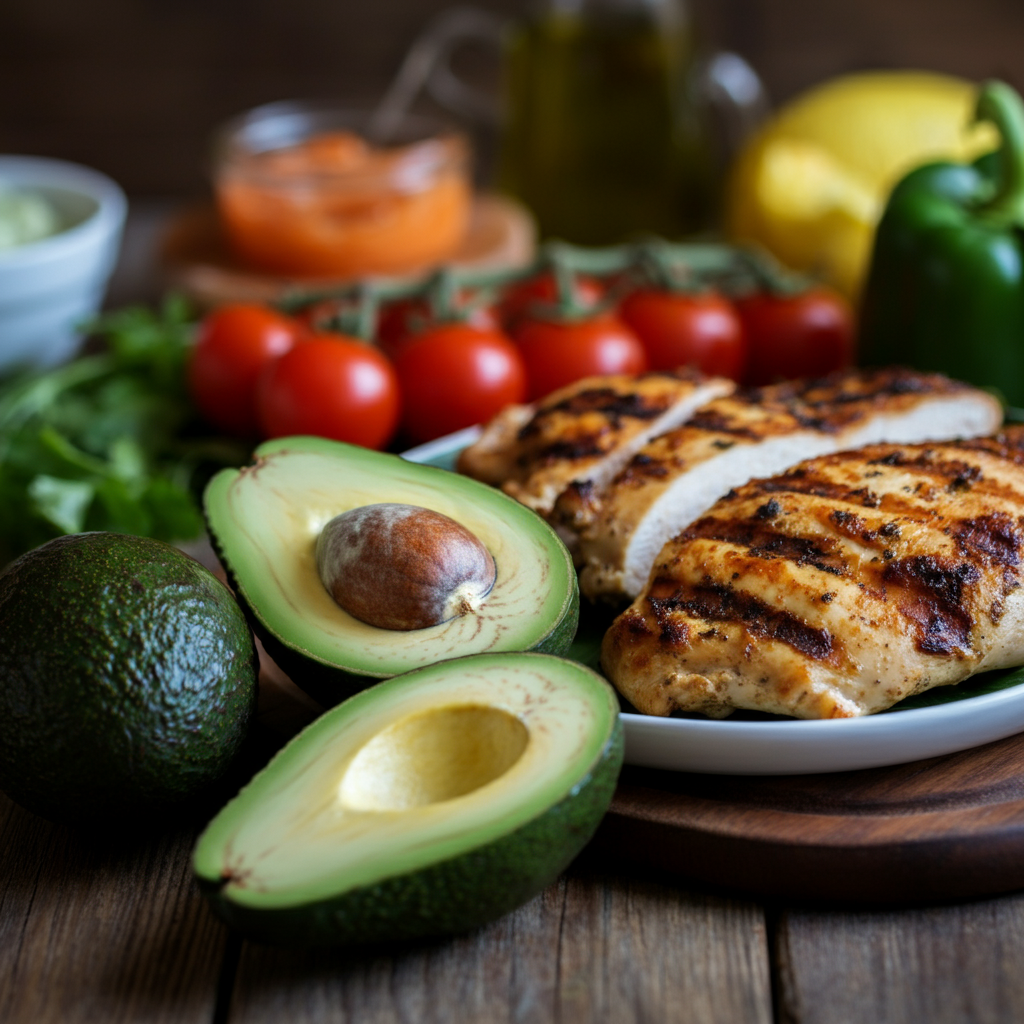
(837, 588)
(584, 432)
(677, 476)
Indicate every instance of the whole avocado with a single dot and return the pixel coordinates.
(127, 677)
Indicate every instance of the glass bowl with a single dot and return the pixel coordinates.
(312, 190)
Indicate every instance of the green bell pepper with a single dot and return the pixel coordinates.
(946, 286)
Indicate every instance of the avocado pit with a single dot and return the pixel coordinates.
(403, 567)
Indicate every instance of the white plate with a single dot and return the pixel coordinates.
(835, 745)
(794, 747)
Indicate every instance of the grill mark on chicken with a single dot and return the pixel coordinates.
(800, 482)
(761, 541)
(716, 419)
(909, 501)
(716, 603)
(586, 446)
(1006, 445)
(890, 382)
(610, 405)
(614, 405)
(960, 475)
(642, 465)
(933, 600)
(995, 537)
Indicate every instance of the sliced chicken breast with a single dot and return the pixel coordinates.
(835, 589)
(676, 477)
(585, 432)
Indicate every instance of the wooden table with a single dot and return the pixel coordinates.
(111, 928)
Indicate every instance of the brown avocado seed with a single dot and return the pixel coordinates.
(403, 567)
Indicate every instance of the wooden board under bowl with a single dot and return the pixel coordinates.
(198, 262)
(946, 828)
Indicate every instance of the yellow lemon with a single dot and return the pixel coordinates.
(811, 185)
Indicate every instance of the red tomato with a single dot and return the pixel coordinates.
(701, 330)
(399, 321)
(233, 346)
(331, 386)
(540, 293)
(558, 353)
(807, 334)
(454, 376)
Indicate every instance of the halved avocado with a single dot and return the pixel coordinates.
(428, 804)
(264, 521)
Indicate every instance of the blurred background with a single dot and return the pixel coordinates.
(596, 122)
(135, 87)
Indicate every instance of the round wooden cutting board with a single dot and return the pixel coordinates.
(945, 828)
(198, 262)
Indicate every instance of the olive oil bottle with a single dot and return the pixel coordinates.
(603, 138)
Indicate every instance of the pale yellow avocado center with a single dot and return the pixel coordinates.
(431, 757)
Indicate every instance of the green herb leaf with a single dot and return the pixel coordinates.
(62, 502)
(110, 441)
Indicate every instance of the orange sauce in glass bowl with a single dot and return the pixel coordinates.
(334, 206)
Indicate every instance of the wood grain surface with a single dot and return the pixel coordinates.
(945, 828)
(941, 965)
(104, 929)
(589, 949)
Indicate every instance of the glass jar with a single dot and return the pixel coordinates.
(309, 190)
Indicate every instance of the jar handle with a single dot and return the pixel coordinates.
(427, 67)
(734, 90)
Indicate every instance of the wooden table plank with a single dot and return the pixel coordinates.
(937, 964)
(589, 949)
(102, 929)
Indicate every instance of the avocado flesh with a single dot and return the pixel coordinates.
(427, 804)
(264, 521)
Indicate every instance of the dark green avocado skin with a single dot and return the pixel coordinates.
(449, 897)
(328, 684)
(127, 677)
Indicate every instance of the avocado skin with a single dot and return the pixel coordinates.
(127, 677)
(451, 896)
(329, 685)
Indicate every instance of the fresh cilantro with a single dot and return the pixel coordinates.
(110, 441)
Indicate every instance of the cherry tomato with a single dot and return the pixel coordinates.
(402, 320)
(539, 293)
(456, 375)
(233, 346)
(331, 386)
(807, 334)
(558, 353)
(700, 330)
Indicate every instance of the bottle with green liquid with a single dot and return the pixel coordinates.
(605, 115)
(602, 138)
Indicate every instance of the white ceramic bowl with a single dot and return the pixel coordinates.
(50, 287)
